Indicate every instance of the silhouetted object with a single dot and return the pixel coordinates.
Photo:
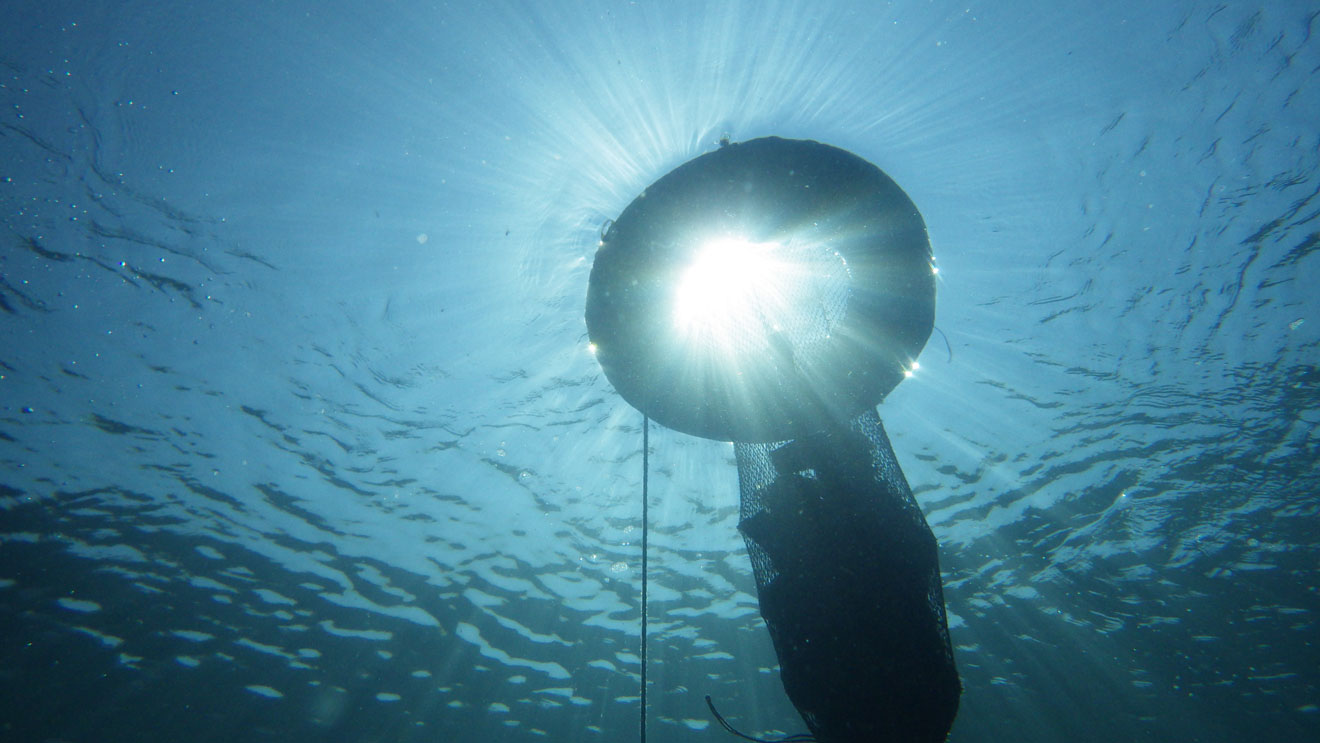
(849, 582)
(856, 260)
(823, 296)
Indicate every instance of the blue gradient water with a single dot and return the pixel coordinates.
(301, 440)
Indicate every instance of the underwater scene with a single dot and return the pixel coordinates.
(304, 437)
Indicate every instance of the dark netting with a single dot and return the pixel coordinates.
(849, 583)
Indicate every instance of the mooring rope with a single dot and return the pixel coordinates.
(799, 738)
(646, 466)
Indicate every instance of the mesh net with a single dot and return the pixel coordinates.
(848, 578)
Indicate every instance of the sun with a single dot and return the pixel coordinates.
(733, 286)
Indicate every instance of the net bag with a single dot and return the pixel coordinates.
(848, 579)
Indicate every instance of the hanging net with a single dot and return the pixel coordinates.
(849, 584)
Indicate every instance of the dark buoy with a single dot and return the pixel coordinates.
(762, 290)
(771, 293)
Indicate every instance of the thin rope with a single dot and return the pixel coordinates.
(646, 466)
(799, 738)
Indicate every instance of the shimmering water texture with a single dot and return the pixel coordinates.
(301, 440)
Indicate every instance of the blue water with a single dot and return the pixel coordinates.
(300, 438)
